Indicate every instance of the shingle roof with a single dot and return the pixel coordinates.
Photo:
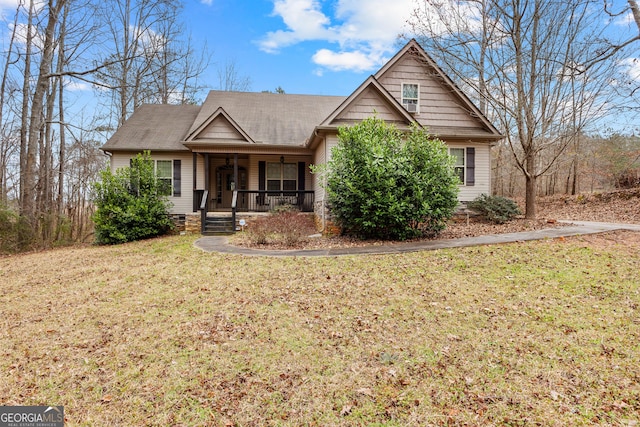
(271, 118)
(155, 128)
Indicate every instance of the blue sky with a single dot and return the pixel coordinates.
(304, 46)
(324, 47)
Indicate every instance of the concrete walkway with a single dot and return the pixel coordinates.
(220, 244)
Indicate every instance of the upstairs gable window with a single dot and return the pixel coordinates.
(410, 96)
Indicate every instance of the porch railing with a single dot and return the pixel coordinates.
(265, 201)
(203, 210)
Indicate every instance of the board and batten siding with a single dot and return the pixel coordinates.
(182, 204)
(437, 105)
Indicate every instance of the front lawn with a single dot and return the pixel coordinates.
(160, 333)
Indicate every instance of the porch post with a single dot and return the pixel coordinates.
(195, 171)
(235, 170)
(206, 171)
(195, 180)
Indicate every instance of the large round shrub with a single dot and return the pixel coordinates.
(130, 205)
(388, 184)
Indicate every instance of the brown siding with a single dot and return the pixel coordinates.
(182, 204)
(438, 105)
(482, 172)
(220, 128)
(366, 105)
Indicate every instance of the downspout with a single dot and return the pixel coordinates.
(324, 189)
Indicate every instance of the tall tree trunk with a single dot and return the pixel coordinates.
(37, 109)
(3, 87)
(62, 149)
(635, 10)
(530, 186)
(26, 95)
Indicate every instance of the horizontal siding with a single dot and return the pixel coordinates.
(438, 106)
(200, 172)
(482, 172)
(330, 142)
(368, 104)
(319, 159)
(255, 159)
(220, 128)
(182, 204)
(467, 193)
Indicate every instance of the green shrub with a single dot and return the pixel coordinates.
(130, 205)
(497, 209)
(16, 234)
(384, 183)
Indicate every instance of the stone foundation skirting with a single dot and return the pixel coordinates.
(192, 223)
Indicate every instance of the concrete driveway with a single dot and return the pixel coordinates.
(220, 243)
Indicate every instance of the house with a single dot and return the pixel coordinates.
(250, 152)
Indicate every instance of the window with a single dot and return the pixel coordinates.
(282, 176)
(164, 175)
(410, 96)
(459, 166)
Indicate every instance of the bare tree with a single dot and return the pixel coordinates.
(148, 61)
(230, 79)
(47, 158)
(36, 119)
(5, 130)
(523, 60)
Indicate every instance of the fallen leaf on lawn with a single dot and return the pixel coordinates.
(346, 410)
(365, 391)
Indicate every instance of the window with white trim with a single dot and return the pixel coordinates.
(282, 176)
(459, 166)
(164, 175)
(410, 96)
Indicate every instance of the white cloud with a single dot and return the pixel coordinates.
(207, 2)
(304, 20)
(632, 68)
(21, 35)
(9, 4)
(363, 30)
(76, 85)
(341, 61)
(624, 20)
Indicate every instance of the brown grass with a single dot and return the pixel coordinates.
(160, 333)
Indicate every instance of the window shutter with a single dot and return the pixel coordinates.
(301, 175)
(471, 166)
(262, 176)
(177, 178)
(262, 182)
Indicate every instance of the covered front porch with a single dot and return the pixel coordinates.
(230, 183)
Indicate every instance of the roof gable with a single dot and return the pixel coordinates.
(219, 127)
(264, 118)
(371, 98)
(443, 108)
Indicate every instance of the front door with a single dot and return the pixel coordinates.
(226, 184)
